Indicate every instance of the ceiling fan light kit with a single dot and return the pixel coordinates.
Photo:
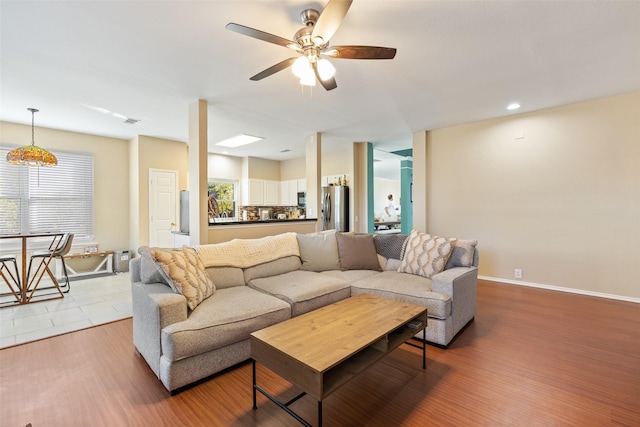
(312, 41)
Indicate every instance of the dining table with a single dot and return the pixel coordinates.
(28, 286)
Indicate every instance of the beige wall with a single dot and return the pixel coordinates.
(554, 192)
(156, 153)
(111, 176)
(338, 162)
(293, 169)
(258, 168)
(225, 167)
(134, 195)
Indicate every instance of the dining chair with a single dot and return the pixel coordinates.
(9, 278)
(63, 248)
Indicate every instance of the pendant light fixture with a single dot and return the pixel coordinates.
(31, 155)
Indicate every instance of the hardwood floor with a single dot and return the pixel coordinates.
(532, 357)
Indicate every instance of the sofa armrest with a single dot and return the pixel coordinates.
(155, 306)
(460, 284)
(448, 281)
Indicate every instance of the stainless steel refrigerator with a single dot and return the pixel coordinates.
(335, 208)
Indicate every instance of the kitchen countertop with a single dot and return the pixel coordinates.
(268, 221)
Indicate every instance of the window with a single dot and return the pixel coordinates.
(224, 193)
(48, 199)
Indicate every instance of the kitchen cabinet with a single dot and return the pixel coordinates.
(253, 193)
(264, 192)
(271, 193)
(302, 185)
(289, 192)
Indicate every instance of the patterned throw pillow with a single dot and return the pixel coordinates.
(425, 255)
(185, 272)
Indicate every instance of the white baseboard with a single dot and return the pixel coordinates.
(561, 289)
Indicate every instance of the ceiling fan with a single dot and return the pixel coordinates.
(312, 43)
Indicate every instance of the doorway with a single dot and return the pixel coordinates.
(392, 177)
(163, 206)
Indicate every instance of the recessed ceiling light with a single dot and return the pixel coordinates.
(513, 106)
(239, 140)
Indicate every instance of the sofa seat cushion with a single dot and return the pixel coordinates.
(226, 317)
(350, 276)
(405, 287)
(304, 290)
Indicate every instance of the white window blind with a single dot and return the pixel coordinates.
(47, 199)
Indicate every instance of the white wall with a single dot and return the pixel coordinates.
(381, 189)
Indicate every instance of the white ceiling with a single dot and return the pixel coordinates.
(457, 61)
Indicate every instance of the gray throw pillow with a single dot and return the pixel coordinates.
(149, 270)
(462, 254)
(390, 245)
(319, 251)
(357, 252)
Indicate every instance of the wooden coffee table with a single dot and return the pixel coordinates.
(322, 350)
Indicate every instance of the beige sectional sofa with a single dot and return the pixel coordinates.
(194, 308)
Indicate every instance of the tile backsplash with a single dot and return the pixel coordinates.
(253, 212)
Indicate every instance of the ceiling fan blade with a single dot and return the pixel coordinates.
(360, 52)
(273, 69)
(330, 19)
(328, 84)
(261, 35)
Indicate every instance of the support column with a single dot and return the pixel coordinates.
(362, 187)
(420, 181)
(406, 196)
(198, 179)
(313, 169)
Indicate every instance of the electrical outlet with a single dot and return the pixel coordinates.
(518, 273)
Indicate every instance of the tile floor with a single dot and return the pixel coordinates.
(90, 302)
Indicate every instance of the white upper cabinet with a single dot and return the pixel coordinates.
(253, 193)
(264, 192)
(289, 192)
(271, 193)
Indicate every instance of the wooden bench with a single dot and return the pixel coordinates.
(105, 266)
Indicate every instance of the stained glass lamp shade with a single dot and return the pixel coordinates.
(31, 155)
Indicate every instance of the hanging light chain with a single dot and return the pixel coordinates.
(33, 114)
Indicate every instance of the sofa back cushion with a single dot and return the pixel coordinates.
(272, 268)
(226, 277)
(319, 251)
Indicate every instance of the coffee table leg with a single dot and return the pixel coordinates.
(253, 368)
(424, 349)
(319, 413)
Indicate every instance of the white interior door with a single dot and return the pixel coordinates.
(163, 206)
